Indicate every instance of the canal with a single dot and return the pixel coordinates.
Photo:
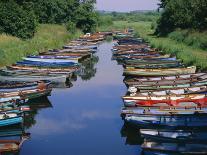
(85, 119)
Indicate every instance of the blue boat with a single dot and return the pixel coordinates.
(33, 63)
(181, 121)
(10, 119)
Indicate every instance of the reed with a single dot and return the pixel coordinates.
(48, 36)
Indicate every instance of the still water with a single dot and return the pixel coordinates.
(85, 119)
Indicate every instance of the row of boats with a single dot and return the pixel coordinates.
(165, 101)
(25, 83)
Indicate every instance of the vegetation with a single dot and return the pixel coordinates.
(183, 14)
(48, 36)
(19, 17)
(17, 21)
(133, 16)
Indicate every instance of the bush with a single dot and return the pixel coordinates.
(71, 27)
(16, 21)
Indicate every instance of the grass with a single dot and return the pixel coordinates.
(191, 55)
(48, 36)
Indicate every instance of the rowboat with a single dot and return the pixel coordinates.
(172, 100)
(151, 121)
(177, 136)
(174, 148)
(163, 109)
(19, 86)
(161, 87)
(7, 119)
(25, 78)
(80, 47)
(53, 64)
(7, 72)
(176, 88)
(155, 66)
(159, 72)
(61, 57)
(47, 60)
(165, 80)
(43, 69)
(120, 53)
(155, 56)
(27, 94)
(150, 62)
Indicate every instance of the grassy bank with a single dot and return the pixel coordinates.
(191, 55)
(47, 37)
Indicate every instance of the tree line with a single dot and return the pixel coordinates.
(183, 14)
(21, 17)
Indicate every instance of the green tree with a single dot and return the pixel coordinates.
(17, 21)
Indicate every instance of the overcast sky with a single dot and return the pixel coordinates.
(126, 5)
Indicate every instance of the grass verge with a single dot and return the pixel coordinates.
(48, 36)
(189, 54)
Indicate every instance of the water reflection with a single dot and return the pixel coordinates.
(132, 135)
(35, 106)
(11, 140)
(88, 69)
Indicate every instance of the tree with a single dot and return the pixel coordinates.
(17, 21)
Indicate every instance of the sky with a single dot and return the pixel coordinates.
(126, 5)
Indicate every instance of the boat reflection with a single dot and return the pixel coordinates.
(35, 106)
(11, 140)
(132, 135)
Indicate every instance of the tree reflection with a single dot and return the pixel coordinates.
(88, 69)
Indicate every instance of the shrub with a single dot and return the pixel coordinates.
(71, 27)
(16, 21)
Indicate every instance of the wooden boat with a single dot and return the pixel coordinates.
(19, 86)
(162, 87)
(80, 46)
(159, 72)
(165, 80)
(172, 100)
(164, 109)
(149, 62)
(7, 72)
(182, 121)
(25, 78)
(43, 69)
(48, 60)
(27, 94)
(174, 148)
(8, 119)
(177, 136)
(61, 57)
(133, 52)
(156, 56)
(176, 91)
(156, 66)
(45, 64)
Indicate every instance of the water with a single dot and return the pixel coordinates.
(85, 119)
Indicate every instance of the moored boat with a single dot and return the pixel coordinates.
(159, 72)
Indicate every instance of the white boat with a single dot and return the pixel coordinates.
(52, 60)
